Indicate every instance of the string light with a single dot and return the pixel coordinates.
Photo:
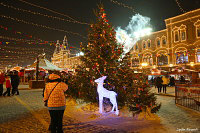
(37, 13)
(179, 5)
(53, 11)
(43, 26)
(26, 35)
(124, 5)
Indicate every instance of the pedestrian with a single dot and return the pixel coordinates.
(2, 79)
(159, 84)
(54, 93)
(165, 83)
(8, 86)
(15, 83)
(172, 81)
(182, 80)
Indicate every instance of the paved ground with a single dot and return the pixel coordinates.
(26, 114)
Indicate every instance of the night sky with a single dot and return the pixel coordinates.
(81, 11)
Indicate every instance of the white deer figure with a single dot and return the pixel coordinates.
(106, 93)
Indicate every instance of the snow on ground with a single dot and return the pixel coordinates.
(89, 113)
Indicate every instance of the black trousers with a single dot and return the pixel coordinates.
(56, 121)
(164, 88)
(15, 89)
(1, 89)
(159, 89)
(7, 92)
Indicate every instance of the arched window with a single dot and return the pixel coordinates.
(164, 42)
(176, 36)
(158, 42)
(197, 25)
(136, 47)
(144, 44)
(149, 43)
(162, 59)
(183, 32)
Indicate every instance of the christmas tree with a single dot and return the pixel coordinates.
(103, 56)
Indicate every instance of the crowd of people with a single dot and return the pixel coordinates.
(12, 82)
(162, 82)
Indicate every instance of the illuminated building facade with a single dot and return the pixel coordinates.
(177, 45)
(62, 57)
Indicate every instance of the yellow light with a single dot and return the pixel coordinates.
(144, 64)
(154, 66)
(171, 65)
(192, 64)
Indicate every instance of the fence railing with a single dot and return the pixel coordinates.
(188, 96)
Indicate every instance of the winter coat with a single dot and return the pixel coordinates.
(2, 78)
(165, 80)
(15, 80)
(159, 81)
(8, 82)
(57, 97)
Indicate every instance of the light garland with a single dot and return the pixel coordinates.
(179, 5)
(124, 5)
(26, 35)
(43, 26)
(37, 13)
(53, 11)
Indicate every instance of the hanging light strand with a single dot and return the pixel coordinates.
(43, 26)
(45, 15)
(123, 5)
(52, 11)
(179, 5)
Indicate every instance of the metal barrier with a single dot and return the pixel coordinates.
(188, 96)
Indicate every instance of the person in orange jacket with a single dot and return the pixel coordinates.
(54, 93)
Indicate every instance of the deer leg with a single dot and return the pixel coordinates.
(100, 104)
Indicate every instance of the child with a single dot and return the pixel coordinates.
(8, 85)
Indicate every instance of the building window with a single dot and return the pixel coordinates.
(158, 43)
(136, 47)
(149, 43)
(181, 57)
(176, 38)
(198, 32)
(144, 45)
(198, 55)
(183, 35)
(162, 60)
(164, 41)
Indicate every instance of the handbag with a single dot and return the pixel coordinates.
(46, 101)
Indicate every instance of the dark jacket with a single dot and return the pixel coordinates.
(15, 80)
(159, 81)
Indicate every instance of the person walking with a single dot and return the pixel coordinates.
(159, 84)
(54, 94)
(8, 86)
(15, 83)
(2, 79)
(165, 83)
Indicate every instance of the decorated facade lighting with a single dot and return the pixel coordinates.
(144, 64)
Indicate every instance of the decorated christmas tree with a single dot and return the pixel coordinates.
(103, 57)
